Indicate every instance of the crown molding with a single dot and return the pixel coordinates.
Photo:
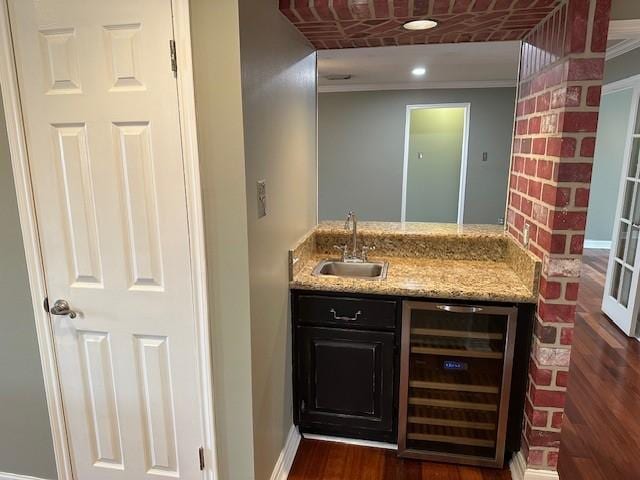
(623, 47)
(363, 87)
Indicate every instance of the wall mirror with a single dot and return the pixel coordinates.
(418, 133)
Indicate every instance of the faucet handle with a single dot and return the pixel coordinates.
(365, 252)
(350, 216)
(343, 250)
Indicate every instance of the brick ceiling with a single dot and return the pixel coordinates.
(374, 23)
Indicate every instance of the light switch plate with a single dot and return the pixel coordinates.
(262, 198)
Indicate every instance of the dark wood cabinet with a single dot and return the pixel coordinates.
(348, 381)
(345, 376)
(346, 365)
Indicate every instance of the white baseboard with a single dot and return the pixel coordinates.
(599, 244)
(351, 441)
(14, 476)
(519, 470)
(287, 455)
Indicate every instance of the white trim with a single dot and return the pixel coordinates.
(625, 317)
(365, 87)
(621, 48)
(26, 208)
(624, 84)
(287, 455)
(519, 470)
(463, 164)
(405, 163)
(598, 244)
(14, 476)
(517, 466)
(623, 29)
(352, 441)
(317, 132)
(31, 240)
(188, 130)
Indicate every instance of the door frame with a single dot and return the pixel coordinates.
(463, 164)
(611, 308)
(31, 239)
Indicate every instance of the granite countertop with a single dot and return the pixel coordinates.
(472, 262)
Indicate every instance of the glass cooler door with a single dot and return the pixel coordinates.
(455, 382)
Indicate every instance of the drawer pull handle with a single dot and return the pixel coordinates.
(345, 319)
(459, 309)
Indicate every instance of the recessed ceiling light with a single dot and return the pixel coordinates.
(419, 71)
(420, 25)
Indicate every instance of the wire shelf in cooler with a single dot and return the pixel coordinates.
(438, 379)
(452, 435)
(454, 399)
(452, 418)
(456, 352)
(437, 332)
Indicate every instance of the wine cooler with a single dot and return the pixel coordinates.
(455, 382)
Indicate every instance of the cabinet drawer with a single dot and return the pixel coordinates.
(346, 312)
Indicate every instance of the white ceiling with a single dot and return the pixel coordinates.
(448, 65)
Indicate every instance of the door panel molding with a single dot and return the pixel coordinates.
(31, 238)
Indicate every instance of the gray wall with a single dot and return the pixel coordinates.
(26, 446)
(256, 120)
(361, 148)
(216, 57)
(607, 165)
(279, 104)
(610, 143)
(625, 9)
(623, 66)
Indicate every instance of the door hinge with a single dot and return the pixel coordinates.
(174, 57)
(201, 457)
(45, 304)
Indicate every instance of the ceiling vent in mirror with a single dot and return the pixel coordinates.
(339, 76)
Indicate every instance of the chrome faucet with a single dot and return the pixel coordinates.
(351, 218)
(353, 256)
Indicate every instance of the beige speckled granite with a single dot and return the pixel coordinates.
(430, 240)
(415, 228)
(524, 263)
(474, 262)
(301, 252)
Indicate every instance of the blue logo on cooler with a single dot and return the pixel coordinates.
(454, 365)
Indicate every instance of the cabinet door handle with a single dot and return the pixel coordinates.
(345, 319)
(459, 308)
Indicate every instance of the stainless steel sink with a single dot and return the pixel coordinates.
(364, 270)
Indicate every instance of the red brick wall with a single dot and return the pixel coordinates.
(557, 112)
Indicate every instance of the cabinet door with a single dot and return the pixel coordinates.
(346, 382)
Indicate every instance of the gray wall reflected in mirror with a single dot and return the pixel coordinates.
(361, 145)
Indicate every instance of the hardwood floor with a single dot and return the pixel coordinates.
(601, 433)
(318, 460)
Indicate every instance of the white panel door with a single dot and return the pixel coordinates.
(620, 301)
(101, 116)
